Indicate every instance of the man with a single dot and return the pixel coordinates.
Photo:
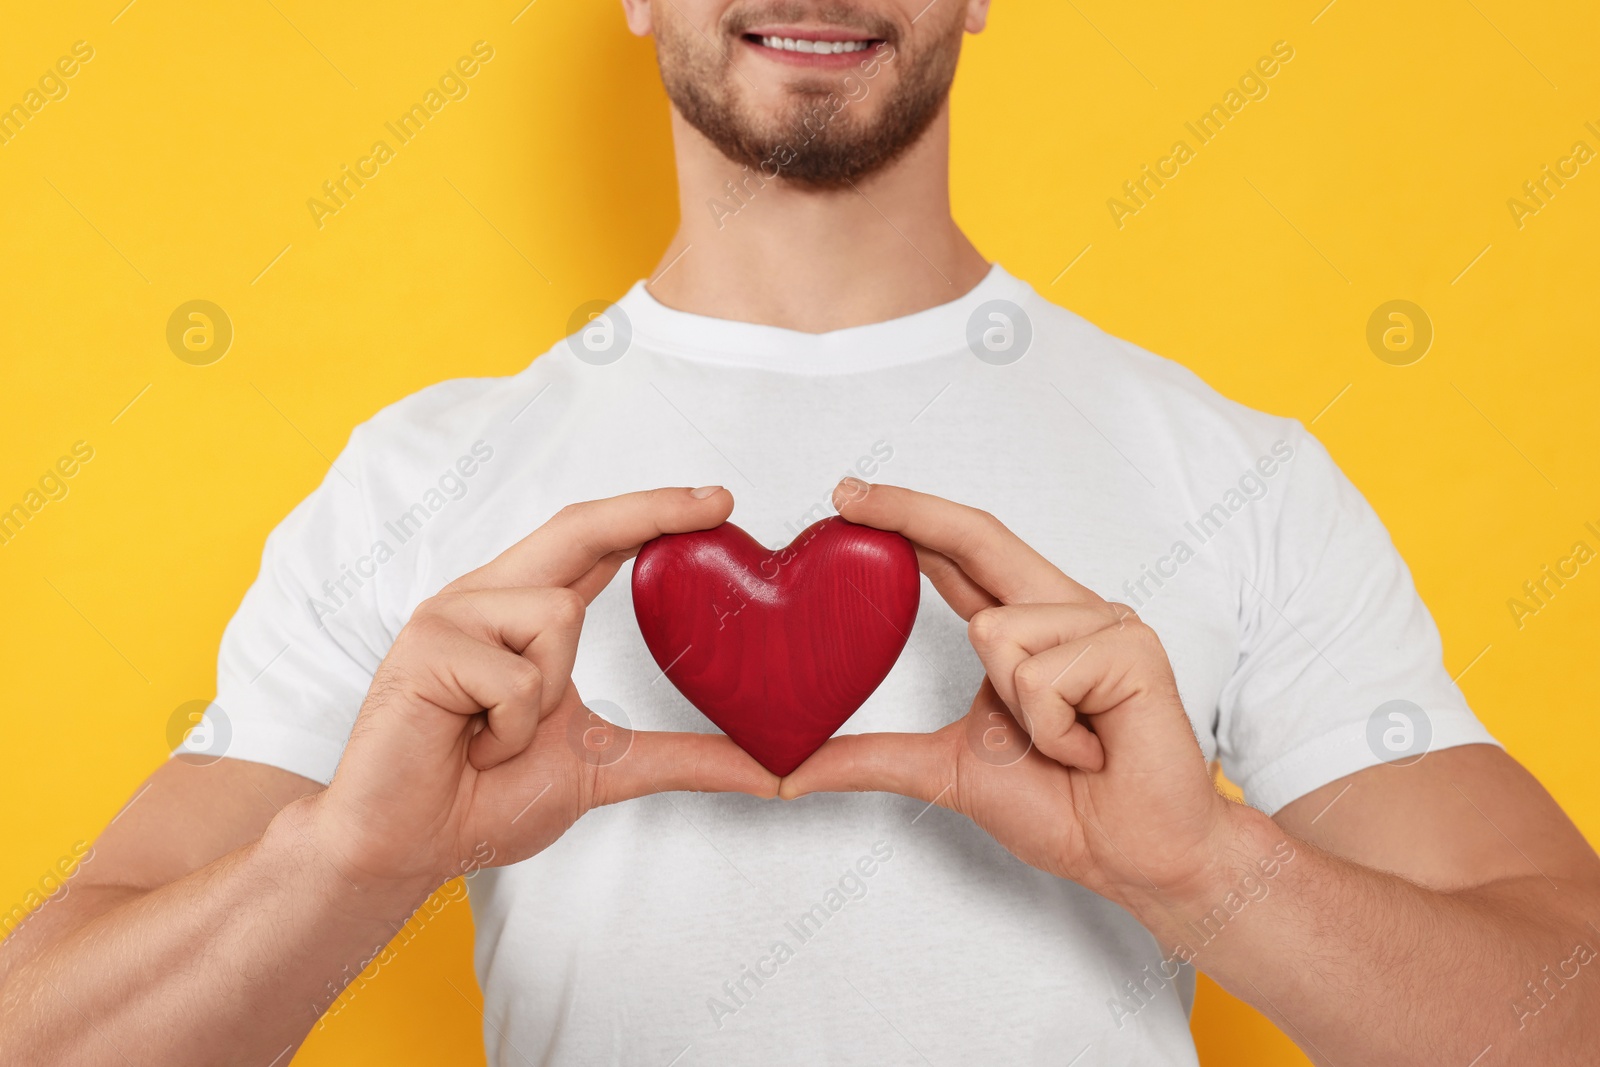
(1028, 875)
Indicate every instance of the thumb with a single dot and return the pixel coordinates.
(921, 766)
(643, 762)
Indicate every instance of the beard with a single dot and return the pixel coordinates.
(818, 136)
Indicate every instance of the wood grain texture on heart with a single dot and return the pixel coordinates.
(777, 647)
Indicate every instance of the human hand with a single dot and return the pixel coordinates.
(472, 733)
(1076, 754)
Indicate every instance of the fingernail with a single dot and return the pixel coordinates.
(852, 489)
(705, 491)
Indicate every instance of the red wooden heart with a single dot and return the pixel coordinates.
(778, 648)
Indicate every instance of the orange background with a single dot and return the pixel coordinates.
(179, 163)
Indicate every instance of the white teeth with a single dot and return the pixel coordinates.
(802, 44)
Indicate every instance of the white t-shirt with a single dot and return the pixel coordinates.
(860, 928)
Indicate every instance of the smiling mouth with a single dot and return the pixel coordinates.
(816, 47)
(810, 46)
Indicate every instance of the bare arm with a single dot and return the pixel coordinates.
(214, 926)
(1444, 913)
(201, 897)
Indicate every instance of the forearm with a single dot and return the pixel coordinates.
(1359, 966)
(230, 964)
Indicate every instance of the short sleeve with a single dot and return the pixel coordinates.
(1340, 665)
(298, 656)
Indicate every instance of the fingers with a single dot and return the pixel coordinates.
(660, 762)
(472, 676)
(1031, 652)
(1049, 717)
(1095, 674)
(914, 765)
(1119, 681)
(965, 596)
(541, 625)
(599, 576)
(584, 544)
(996, 559)
(1006, 636)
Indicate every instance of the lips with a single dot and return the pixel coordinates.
(811, 46)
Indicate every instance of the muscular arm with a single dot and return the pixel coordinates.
(223, 910)
(1443, 912)
(206, 928)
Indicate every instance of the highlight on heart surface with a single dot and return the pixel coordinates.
(777, 647)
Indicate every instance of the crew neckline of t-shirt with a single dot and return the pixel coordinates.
(922, 335)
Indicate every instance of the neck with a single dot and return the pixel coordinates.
(779, 254)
